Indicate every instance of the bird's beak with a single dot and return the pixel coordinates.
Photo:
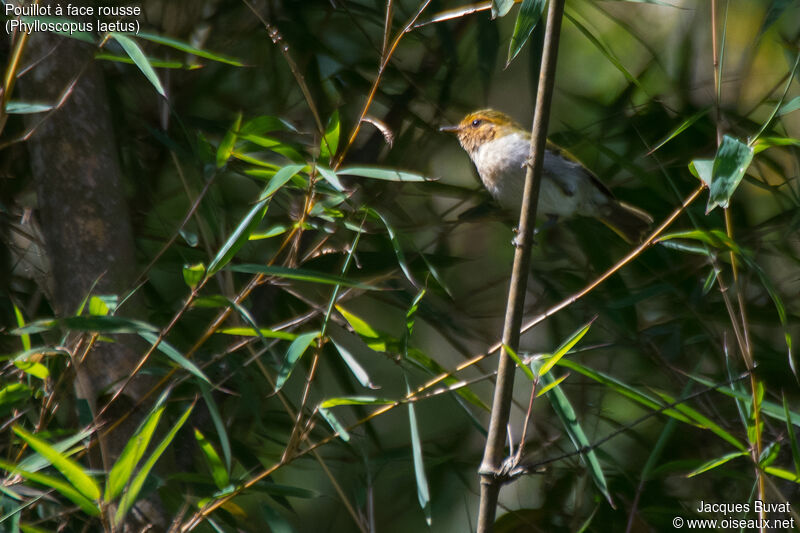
(450, 129)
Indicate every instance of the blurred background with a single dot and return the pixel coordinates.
(635, 101)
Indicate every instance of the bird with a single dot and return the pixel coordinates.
(499, 148)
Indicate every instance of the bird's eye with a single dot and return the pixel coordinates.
(476, 122)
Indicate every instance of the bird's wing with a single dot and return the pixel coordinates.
(562, 158)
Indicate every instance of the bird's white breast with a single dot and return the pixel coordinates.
(501, 165)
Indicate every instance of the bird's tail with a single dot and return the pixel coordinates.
(630, 223)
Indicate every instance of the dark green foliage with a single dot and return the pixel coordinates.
(283, 268)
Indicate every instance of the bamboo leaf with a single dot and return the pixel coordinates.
(565, 412)
(130, 496)
(565, 347)
(714, 463)
(218, 471)
(87, 506)
(528, 17)
(72, 471)
(378, 173)
(423, 492)
(138, 57)
(296, 350)
(730, 164)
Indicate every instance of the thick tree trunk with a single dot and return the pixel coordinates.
(83, 212)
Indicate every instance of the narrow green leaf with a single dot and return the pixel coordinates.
(154, 62)
(171, 352)
(129, 498)
(72, 471)
(370, 335)
(262, 332)
(189, 49)
(330, 141)
(565, 412)
(300, 274)
(280, 179)
(138, 57)
(783, 474)
(624, 389)
(334, 423)
(791, 105)
(35, 462)
(87, 506)
(24, 338)
(702, 169)
(500, 8)
(94, 324)
(528, 17)
(556, 382)
(33, 368)
(133, 452)
(352, 363)
(12, 395)
(680, 129)
(296, 350)
(566, 346)
(423, 492)
(768, 142)
(398, 249)
(265, 124)
(355, 400)
(228, 142)
(378, 173)
(219, 425)
(703, 421)
(714, 463)
(26, 108)
(193, 274)
(239, 236)
(513, 355)
(792, 437)
(730, 164)
(331, 177)
(218, 471)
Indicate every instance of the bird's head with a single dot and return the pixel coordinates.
(481, 127)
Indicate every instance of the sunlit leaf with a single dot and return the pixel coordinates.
(132, 493)
(65, 489)
(218, 471)
(72, 471)
(423, 492)
(714, 463)
(239, 236)
(381, 174)
(563, 409)
(138, 57)
(330, 141)
(193, 274)
(228, 142)
(565, 347)
(300, 274)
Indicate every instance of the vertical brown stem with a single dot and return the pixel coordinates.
(501, 405)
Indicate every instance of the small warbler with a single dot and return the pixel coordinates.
(499, 147)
